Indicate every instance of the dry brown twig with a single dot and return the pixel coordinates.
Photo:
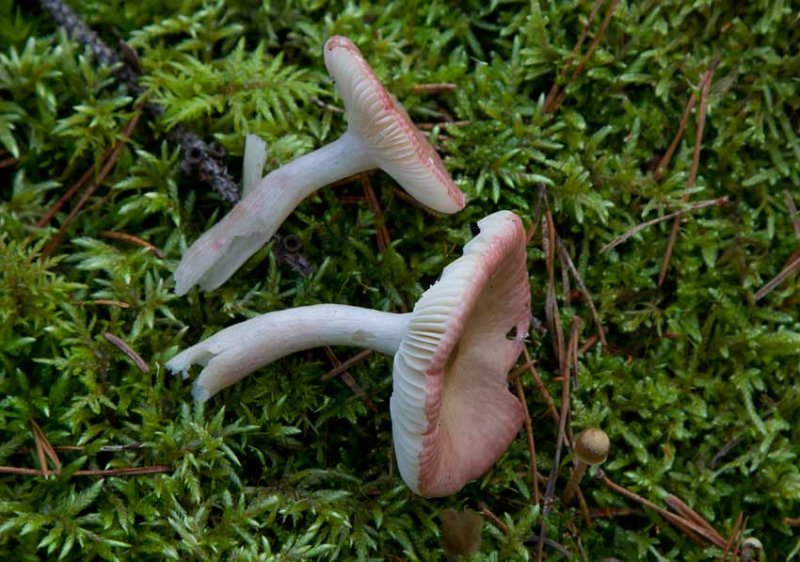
(676, 215)
(431, 126)
(551, 407)
(554, 90)
(45, 451)
(587, 296)
(106, 302)
(433, 88)
(342, 370)
(529, 435)
(125, 471)
(682, 508)
(792, 267)
(695, 531)
(381, 232)
(496, 521)
(565, 361)
(552, 315)
(557, 95)
(793, 214)
(120, 344)
(733, 542)
(698, 143)
(793, 263)
(108, 166)
(135, 240)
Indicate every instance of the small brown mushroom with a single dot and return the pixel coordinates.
(591, 448)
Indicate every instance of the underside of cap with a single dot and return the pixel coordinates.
(396, 145)
(452, 412)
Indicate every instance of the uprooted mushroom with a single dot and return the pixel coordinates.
(379, 135)
(452, 413)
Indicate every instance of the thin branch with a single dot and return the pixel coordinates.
(107, 302)
(44, 449)
(724, 451)
(405, 197)
(584, 508)
(120, 344)
(131, 239)
(698, 144)
(126, 471)
(552, 544)
(687, 112)
(345, 365)
(431, 126)
(326, 106)
(87, 175)
(492, 517)
(529, 434)
(682, 508)
(587, 296)
(732, 544)
(694, 531)
(551, 407)
(563, 416)
(551, 306)
(554, 90)
(639, 227)
(201, 160)
(433, 88)
(792, 267)
(349, 380)
(102, 449)
(107, 167)
(612, 512)
(792, 211)
(584, 61)
(381, 233)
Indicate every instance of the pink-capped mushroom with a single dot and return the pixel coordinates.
(379, 135)
(451, 409)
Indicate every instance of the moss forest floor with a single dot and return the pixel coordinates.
(590, 121)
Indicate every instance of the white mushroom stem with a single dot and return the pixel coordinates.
(220, 251)
(231, 354)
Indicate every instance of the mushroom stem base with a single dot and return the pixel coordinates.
(238, 350)
(223, 249)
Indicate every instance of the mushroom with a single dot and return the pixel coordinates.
(379, 135)
(591, 448)
(461, 533)
(452, 413)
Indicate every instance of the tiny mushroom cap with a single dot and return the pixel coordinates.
(394, 142)
(452, 412)
(592, 446)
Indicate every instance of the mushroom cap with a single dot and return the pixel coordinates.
(395, 143)
(591, 446)
(452, 412)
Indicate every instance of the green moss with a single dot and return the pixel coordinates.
(697, 389)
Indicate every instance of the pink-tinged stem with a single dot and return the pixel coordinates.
(233, 353)
(220, 251)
